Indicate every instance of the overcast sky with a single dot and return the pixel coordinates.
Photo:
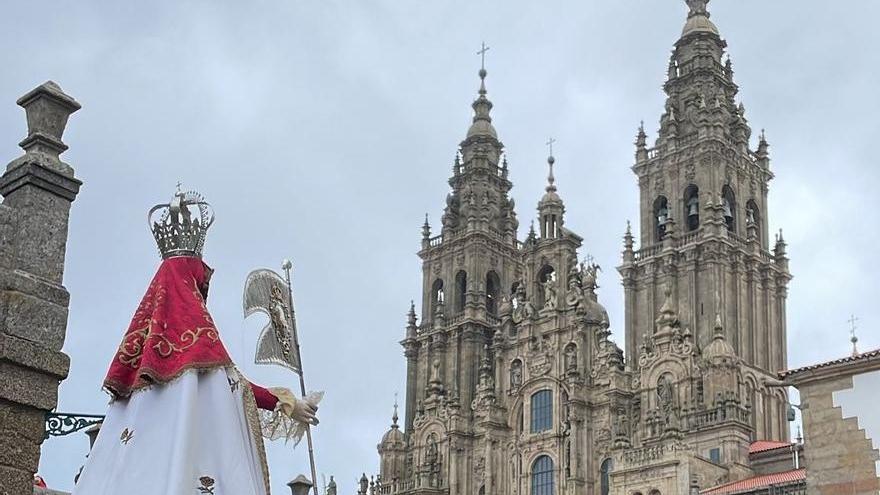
(324, 130)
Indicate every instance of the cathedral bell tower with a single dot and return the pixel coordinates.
(704, 232)
(466, 270)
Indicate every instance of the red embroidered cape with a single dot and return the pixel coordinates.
(172, 332)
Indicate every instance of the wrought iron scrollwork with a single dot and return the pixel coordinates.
(61, 424)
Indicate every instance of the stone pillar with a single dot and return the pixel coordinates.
(37, 190)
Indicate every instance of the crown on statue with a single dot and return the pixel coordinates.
(180, 227)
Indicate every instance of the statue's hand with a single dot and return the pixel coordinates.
(295, 409)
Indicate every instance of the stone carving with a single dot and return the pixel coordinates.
(571, 357)
(550, 300)
(665, 393)
(523, 309)
(516, 374)
(574, 296)
(541, 355)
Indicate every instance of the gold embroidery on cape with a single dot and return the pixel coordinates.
(126, 436)
(132, 347)
(207, 483)
(165, 347)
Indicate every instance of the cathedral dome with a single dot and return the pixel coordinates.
(595, 312)
(699, 24)
(719, 349)
(393, 438)
(482, 127)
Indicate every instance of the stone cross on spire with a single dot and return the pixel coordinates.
(549, 143)
(852, 332)
(482, 53)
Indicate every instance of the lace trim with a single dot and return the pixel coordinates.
(253, 419)
(147, 377)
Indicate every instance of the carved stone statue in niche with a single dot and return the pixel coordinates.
(550, 300)
(666, 401)
(516, 374)
(523, 308)
(571, 357)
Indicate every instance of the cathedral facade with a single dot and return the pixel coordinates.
(513, 384)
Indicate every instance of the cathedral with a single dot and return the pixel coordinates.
(513, 384)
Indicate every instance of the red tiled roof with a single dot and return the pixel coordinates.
(758, 482)
(765, 445)
(848, 359)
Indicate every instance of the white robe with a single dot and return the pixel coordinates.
(198, 434)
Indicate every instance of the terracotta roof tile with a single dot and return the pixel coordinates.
(763, 481)
(765, 445)
(848, 359)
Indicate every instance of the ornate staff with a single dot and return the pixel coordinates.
(266, 292)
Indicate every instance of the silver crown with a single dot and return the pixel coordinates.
(180, 226)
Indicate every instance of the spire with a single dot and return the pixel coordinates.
(641, 143)
(426, 228)
(551, 195)
(762, 154)
(412, 328)
(719, 329)
(698, 19)
(411, 316)
(394, 416)
(482, 125)
(628, 235)
(852, 331)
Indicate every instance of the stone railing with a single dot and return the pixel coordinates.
(643, 455)
(435, 241)
(649, 251)
(690, 238)
(693, 419)
(392, 487)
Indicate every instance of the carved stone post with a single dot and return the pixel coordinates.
(37, 190)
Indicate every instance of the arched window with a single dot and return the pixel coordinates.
(753, 216)
(728, 201)
(542, 476)
(654, 492)
(692, 207)
(493, 292)
(460, 290)
(661, 216)
(542, 411)
(605, 476)
(436, 294)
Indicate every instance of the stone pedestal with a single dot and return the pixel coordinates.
(37, 189)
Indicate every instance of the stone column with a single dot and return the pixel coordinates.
(37, 190)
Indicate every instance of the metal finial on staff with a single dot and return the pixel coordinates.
(286, 265)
